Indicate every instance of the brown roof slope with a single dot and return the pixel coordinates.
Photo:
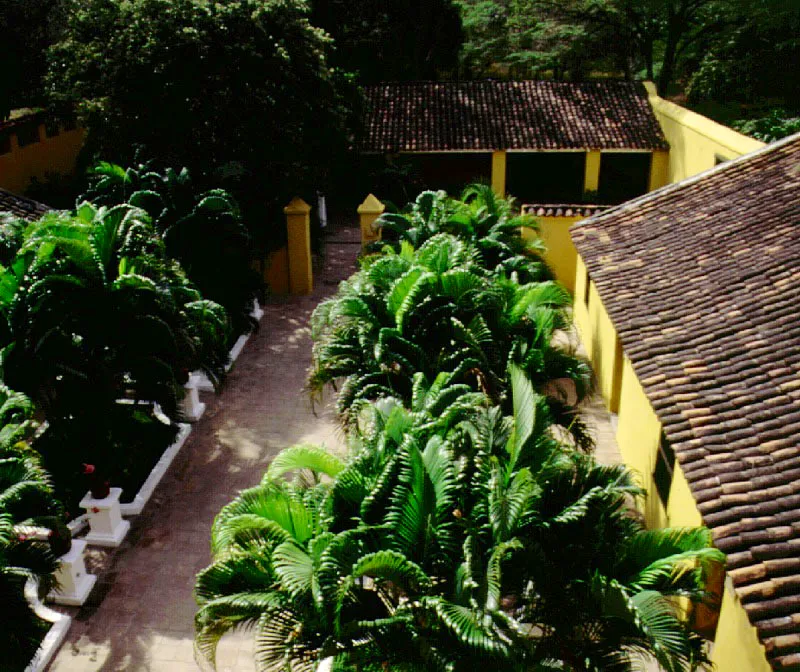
(21, 206)
(702, 282)
(490, 115)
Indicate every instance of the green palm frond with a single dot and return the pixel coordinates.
(304, 456)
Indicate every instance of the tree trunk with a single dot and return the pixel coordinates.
(675, 27)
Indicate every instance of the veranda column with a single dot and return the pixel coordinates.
(298, 229)
(499, 173)
(659, 169)
(368, 213)
(591, 174)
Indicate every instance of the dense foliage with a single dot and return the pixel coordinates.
(774, 126)
(241, 90)
(205, 232)
(27, 503)
(94, 311)
(28, 27)
(465, 528)
(466, 303)
(450, 540)
(392, 40)
(727, 51)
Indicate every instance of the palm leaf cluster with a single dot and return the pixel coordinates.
(205, 231)
(440, 308)
(466, 528)
(93, 310)
(479, 216)
(453, 537)
(27, 502)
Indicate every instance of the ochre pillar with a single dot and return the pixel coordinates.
(591, 173)
(499, 172)
(659, 170)
(298, 229)
(368, 213)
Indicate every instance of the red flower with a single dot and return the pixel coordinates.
(88, 469)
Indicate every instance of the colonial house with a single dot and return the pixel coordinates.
(687, 302)
(543, 142)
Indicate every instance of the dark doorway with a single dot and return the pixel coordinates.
(623, 176)
(545, 177)
(452, 171)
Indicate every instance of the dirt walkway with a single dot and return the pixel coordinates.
(140, 615)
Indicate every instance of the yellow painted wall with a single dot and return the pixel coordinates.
(580, 314)
(276, 271)
(561, 255)
(638, 436)
(606, 351)
(659, 170)
(736, 646)
(50, 155)
(599, 338)
(696, 142)
(499, 172)
(681, 507)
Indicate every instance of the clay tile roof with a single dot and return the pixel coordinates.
(562, 210)
(21, 206)
(491, 115)
(702, 282)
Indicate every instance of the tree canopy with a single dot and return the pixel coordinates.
(240, 89)
(719, 48)
(390, 40)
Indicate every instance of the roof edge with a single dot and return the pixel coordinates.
(676, 186)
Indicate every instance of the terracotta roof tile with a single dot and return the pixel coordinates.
(21, 206)
(709, 320)
(491, 115)
(562, 209)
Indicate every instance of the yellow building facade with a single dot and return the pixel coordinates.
(46, 149)
(694, 370)
(735, 646)
(696, 144)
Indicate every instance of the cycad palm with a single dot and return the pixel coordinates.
(26, 501)
(436, 309)
(478, 542)
(479, 217)
(205, 232)
(93, 306)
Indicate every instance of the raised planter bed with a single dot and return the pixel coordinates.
(55, 635)
(202, 383)
(135, 507)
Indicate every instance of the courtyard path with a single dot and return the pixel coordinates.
(140, 615)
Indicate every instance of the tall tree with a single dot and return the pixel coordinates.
(754, 58)
(28, 27)
(240, 88)
(570, 38)
(389, 40)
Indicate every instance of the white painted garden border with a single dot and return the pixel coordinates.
(55, 635)
(203, 383)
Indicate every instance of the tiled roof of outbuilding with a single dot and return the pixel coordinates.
(21, 206)
(562, 209)
(702, 282)
(491, 115)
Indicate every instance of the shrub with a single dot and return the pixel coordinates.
(205, 232)
(444, 546)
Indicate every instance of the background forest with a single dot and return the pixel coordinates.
(206, 67)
